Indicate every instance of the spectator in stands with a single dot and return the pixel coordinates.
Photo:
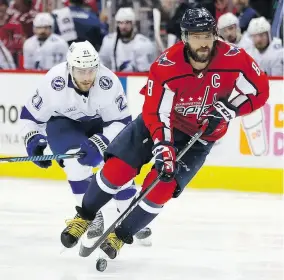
(6, 59)
(267, 52)
(173, 25)
(144, 10)
(245, 13)
(78, 23)
(229, 29)
(217, 7)
(11, 32)
(22, 11)
(45, 49)
(126, 50)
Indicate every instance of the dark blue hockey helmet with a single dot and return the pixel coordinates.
(197, 20)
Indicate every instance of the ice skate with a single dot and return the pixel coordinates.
(95, 230)
(143, 237)
(76, 227)
(112, 245)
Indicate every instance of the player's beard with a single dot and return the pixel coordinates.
(232, 39)
(84, 85)
(126, 36)
(42, 37)
(261, 47)
(198, 58)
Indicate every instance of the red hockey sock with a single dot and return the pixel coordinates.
(163, 191)
(118, 172)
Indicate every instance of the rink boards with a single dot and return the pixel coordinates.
(249, 158)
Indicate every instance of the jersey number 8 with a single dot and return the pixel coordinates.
(255, 68)
(150, 87)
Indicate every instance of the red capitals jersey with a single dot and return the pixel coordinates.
(175, 97)
(25, 19)
(12, 35)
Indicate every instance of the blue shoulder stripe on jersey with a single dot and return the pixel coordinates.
(124, 121)
(26, 115)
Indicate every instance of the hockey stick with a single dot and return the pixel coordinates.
(40, 158)
(87, 251)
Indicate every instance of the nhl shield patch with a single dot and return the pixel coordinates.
(58, 83)
(105, 82)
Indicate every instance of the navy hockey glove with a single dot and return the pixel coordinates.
(35, 145)
(94, 149)
(218, 116)
(165, 160)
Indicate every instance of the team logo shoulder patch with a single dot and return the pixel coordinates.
(164, 61)
(234, 50)
(105, 82)
(58, 83)
(37, 101)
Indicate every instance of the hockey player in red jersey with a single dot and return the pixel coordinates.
(199, 78)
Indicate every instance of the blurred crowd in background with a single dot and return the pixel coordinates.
(130, 34)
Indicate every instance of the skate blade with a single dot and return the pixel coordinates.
(63, 249)
(86, 245)
(85, 252)
(109, 250)
(147, 242)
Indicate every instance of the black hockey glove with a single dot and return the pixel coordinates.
(165, 160)
(218, 116)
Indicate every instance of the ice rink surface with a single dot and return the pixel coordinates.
(203, 235)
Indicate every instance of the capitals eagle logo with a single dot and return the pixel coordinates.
(234, 50)
(164, 61)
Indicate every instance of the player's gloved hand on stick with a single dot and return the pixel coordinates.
(35, 145)
(218, 116)
(165, 160)
(93, 148)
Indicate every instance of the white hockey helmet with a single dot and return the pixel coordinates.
(226, 20)
(43, 20)
(125, 14)
(82, 55)
(258, 25)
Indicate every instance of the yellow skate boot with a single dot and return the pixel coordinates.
(114, 242)
(76, 227)
(112, 245)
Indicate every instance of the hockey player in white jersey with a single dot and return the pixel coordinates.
(80, 106)
(266, 51)
(229, 29)
(126, 50)
(45, 49)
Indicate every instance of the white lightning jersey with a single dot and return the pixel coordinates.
(136, 55)
(56, 97)
(271, 60)
(245, 41)
(44, 55)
